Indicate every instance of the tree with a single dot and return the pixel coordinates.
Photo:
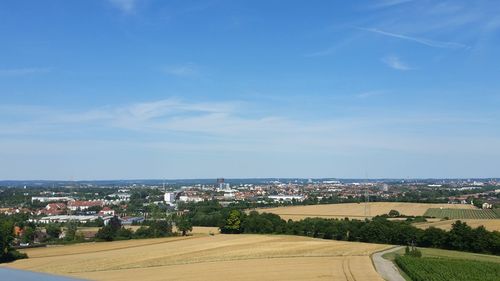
(114, 223)
(142, 232)
(460, 236)
(433, 237)
(28, 235)
(112, 230)
(183, 224)
(106, 233)
(6, 237)
(8, 254)
(71, 229)
(163, 228)
(53, 230)
(233, 223)
(393, 213)
(155, 211)
(123, 234)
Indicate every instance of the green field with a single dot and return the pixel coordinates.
(461, 213)
(497, 212)
(437, 269)
(439, 253)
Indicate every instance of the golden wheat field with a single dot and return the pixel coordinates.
(489, 224)
(219, 257)
(356, 210)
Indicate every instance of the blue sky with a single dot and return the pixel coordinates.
(124, 89)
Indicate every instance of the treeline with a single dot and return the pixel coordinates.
(461, 237)
(7, 253)
(150, 229)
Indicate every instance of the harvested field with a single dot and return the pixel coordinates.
(234, 257)
(489, 224)
(355, 210)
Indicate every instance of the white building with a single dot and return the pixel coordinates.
(185, 198)
(67, 218)
(51, 199)
(487, 205)
(169, 197)
(121, 196)
(277, 198)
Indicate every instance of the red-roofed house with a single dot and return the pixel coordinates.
(54, 209)
(83, 205)
(106, 211)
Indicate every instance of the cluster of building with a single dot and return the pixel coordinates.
(277, 191)
(65, 206)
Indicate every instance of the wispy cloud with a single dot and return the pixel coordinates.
(160, 132)
(321, 53)
(369, 94)
(337, 46)
(395, 63)
(24, 71)
(126, 6)
(389, 3)
(423, 41)
(184, 70)
(220, 120)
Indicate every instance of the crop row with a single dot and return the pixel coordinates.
(461, 213)
(441, 269)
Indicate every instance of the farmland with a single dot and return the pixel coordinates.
(440, 253)
(357, 210)
(461, 213)
(237, 257)
(489, 224)
(423, 269)
(451, 259)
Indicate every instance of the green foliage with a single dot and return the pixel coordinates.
(112, 231)
(461, 213)
(7, 254)
(378, 230)
(28, 235)
(265, 223)
(53, 230)
(433, 237)
(206, 213)
(413, 252)
(106, 233)
(441, 269)
(160, 228)
(142, 232)
(393, 213)
(233, 223)
(183, 224)
(123, 234)
(71, 228)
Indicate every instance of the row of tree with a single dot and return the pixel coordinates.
(7, 253)
(378, 230)
(150, 229)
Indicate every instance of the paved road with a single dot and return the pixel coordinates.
(386, 268)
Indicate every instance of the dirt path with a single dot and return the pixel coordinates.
(386, 268)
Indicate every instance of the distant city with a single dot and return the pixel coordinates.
(134, 200)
